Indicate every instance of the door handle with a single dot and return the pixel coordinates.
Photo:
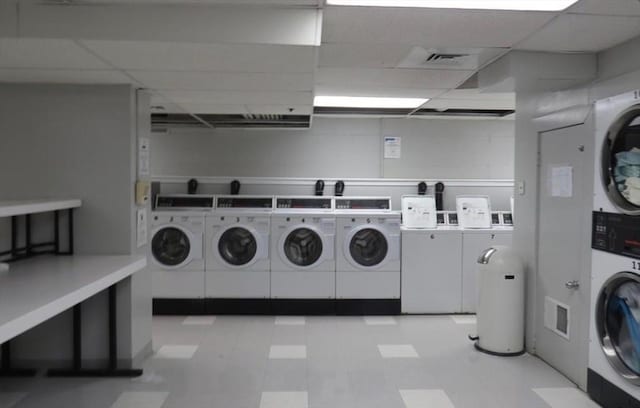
(574, 284)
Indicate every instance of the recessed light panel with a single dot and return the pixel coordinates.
(528, 5)
(368, 102)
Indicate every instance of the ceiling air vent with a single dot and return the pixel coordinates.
(432, 58)
(435, 57)
(240, 121)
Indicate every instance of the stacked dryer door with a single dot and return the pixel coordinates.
(367, 249)
(238, 248)
(302, 246)
(176, 249)
(614, 348)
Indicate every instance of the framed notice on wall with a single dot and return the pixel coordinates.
(392, 147)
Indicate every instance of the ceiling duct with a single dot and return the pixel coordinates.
(239, 121)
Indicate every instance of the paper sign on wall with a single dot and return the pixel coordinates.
(392, 147)
(141, 227)
(561, 181)
(143, 156)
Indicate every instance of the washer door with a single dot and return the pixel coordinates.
(621, 161)
(302, 247)
(367, 247)
(617, 324)
(171, 246)
(238, 246)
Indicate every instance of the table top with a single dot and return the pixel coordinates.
(21, 207)
(35, 290)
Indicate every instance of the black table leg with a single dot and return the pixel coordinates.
(6, 370)
(112, 370)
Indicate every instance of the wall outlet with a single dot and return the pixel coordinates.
(520, 187)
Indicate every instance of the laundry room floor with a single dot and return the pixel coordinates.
(311, 362)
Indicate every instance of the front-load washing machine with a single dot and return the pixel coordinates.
(614, 352)
(302, 245)
(614, 348)
(237, 259)
(176, 250)
(367, 249)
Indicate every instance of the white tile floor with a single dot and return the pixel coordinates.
(227, 364)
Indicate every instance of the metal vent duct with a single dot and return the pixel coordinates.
(241, 121)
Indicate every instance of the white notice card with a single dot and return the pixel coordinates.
(561, 181)
(392, 147)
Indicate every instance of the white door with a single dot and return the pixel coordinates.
(564, 248)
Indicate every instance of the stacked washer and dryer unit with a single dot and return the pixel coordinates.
(176, 252)
(614, 349)
(367, 256)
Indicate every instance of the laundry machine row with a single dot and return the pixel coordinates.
(614, 329)
(440, 250)
(260, 254)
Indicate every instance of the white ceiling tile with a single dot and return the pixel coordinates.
(361, 55)
(239, 98)
(220, 108)
(582, 33)
(392, 78)
(202, 108)
(430, 27)
(142, 55)
(223, 81)
(63, 76)
(476, 94)
(607, 7)
(46, 53)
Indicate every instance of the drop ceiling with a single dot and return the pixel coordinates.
(273, 56)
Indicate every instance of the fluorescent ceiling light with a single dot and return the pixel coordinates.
(368, 102)
(529, 5)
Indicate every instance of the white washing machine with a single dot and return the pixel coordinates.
(177, 241)
(481, 229)
(614, 348)
(302, 246)
(237, 259)
(367, 248)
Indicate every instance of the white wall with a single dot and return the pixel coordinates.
(342, 148)
(77, 141)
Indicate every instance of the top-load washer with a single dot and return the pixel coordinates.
(176, 250)
(237, 262)
(614, 348)
(481, 229)
(367, 248)
(302, 246)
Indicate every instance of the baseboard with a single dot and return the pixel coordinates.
(179, 307)
(308, 307)
(370, 307)
(608, 395)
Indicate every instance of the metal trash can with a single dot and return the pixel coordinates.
(500, 308)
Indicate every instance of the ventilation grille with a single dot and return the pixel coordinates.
(436, 57)
(557, 317)
(469, 113)
(161, 121)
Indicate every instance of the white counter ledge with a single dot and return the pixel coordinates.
(37, 289)
(22, 207)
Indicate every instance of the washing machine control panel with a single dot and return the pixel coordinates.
(453, 218)
(303, 203)
(245, 202)
(495, 218)
(616, 233)
(363, 204)
(183, 201)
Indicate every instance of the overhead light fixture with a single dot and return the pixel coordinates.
(524, 5)
(368, 102)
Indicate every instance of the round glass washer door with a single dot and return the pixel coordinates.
(618, 324)
(621, 161)
(171, 247)
(303, 247)
(237, 246)
(368, 247)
